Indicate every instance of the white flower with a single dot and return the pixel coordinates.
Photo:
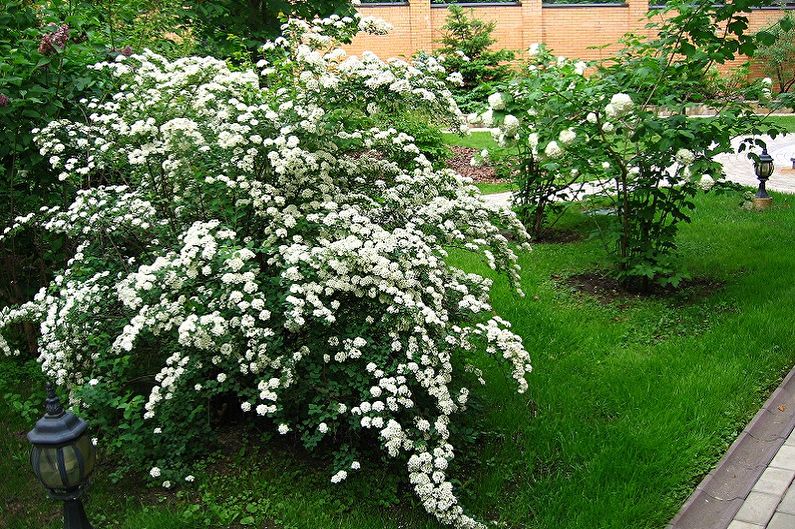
(608, 127)
(157, 431)
(767, 81)
(553, 150)
(567, 136)
(685, 156)
(487, 118)
(619, 105)
(605, 165)
(580, 67)
(534, 49)
(166, 484)
(199, 281)
(706, 182)
(496, 101)
(532, 140)
(190, 479)
(510, 125)
(339, 476)
(591, 117)
(355, 465)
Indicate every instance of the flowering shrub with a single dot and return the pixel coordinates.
(544, 154)
(236, 238)
(626, 125)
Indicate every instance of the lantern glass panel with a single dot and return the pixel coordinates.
(65, 467)
(88, 453)
(767, 169)
(45, 464)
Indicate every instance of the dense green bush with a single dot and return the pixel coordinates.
(777, 58)
(466, 43)
(44, 50)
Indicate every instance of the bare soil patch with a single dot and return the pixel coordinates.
(459, 162)
(607, 289)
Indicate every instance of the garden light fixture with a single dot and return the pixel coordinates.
(63, 458)
(764, 170)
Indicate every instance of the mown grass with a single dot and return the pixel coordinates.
(630, 404)
(489, 188)
(475, 140)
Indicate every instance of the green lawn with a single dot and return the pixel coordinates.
(630, 404)
(787, 123)
(475, 140)
(488, 188)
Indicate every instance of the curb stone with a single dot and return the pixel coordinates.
(719, 496)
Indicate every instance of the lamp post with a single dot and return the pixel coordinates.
(63, 458)
(764, 170)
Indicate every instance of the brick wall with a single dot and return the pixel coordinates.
(570, 30)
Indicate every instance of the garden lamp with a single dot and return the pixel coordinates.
(63, 458)
(764, 169)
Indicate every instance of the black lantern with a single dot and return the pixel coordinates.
(764, 169)
(63, 458)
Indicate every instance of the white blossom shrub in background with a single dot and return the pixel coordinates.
(238, 237)
(627, 125)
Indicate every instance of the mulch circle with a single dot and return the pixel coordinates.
(607, 289)
(558, 236)
(459, 162)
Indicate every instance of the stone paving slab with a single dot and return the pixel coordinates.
(771, 502)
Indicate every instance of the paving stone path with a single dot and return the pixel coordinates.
(738, 169)
(771, 502)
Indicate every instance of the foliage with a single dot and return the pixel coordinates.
(248, 247)
(43, 53)
(553, 95)
(627, 127)
(777, 58)
(45, 48)
(427, 136)
(234, 28)
(466, 43)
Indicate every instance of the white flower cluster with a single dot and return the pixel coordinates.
(258, 240)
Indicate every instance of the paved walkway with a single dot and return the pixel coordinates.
(771, 502)
(738, 169)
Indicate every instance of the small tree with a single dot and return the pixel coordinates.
(778, 57)
(628, 126)
(465, 47)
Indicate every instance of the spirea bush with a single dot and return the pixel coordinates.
(237, 238)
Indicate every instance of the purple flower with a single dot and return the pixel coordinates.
(51, 42)
(127, 51)
(4, 100)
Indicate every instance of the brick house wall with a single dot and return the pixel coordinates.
(569, 30)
